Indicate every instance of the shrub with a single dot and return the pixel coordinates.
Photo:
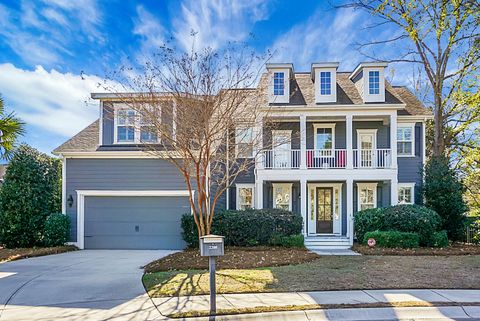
(30, 192)
(246, 228)
(443, 193)
(288, 241)
(393, 239)
(474, 227)
(57, 230)
(440, 239)
(413, 218)
(372, 219)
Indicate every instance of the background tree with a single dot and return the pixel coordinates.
(11, 128)
(444, 193)
(444, 38)
(198, 108)
(30, 193)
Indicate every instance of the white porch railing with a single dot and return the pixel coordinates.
(281, 158)
(372, 158)
(326, 158)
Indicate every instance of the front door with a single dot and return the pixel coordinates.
(366, 141)
(324, 210)
(281, 148)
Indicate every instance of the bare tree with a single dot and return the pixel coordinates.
(201, 112)
(445, 40)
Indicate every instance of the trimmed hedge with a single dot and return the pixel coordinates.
(56, 230)
(403, 218)
(440, 239)
(246, 228)
(393, 239)
(288, 241)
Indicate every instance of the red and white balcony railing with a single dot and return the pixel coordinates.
(326, 158)
(372, 158)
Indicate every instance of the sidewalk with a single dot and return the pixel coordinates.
(170, 305)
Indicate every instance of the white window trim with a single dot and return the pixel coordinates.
(323, 125)
(136, 127)
(287, 185)
(320, 82)
(367, 131)
(412, 192)
(379, 82)
(252, 142)
(360, 186)
(237, 198)
(407, 125)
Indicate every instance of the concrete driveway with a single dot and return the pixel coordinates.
(82, 285)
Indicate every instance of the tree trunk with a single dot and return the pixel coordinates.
(438, 138)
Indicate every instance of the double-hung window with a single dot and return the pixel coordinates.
(282, 196)
(245, 196)
(278, 83)
(325, 83)
(125, 126)
(406, 193)
(367, 196)
(374, 82)
(244, 142)
(405, 140)
(148, 132)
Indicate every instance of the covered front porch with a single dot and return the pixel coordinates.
(327, 206)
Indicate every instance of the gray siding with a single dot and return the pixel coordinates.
(383, 132)
(118, 174)
(383, 194)
(340, 137)
(410, 168)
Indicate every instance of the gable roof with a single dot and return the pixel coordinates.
(85, 141)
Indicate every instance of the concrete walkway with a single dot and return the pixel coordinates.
(81, 285)
(229, 301)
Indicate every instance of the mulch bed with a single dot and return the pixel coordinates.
(23, 253)
(454, 249)
(234, 258)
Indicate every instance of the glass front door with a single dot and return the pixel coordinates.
(324, 210)
(281, 148)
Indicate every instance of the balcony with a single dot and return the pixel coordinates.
(326, 158)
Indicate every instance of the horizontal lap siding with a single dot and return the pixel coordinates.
(117, 174)
(410, 168)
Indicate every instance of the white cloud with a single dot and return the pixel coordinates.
(149, 29)
(216, 21)
(51, 100)
(321, 39)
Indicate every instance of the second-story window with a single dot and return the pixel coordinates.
(405, 140)
(374, 82)
(244, 142)
(125, 126)
(278, 83)
(325, 83)
(148, 132)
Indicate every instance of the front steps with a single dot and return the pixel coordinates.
(315, 243)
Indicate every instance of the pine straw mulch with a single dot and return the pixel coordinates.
(234, 258)
(452, 250)
(7, 255)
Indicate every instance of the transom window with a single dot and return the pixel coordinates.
(325, 83)
(406, 193)
(278, 83)
(282, 196)
(245, 196)
(405, 140)
(244, 142)
(367, 196)
(374, 82)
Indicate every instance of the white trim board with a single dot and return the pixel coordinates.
(81, 194)
(237, 194)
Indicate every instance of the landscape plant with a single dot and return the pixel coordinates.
(30, 193)
(393, 239)
(57, 230)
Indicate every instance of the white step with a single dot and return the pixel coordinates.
(327, 243)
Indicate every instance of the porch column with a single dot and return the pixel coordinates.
(258, 148)
(303, 204)
(394, 191)
(303, 142)
(259, 194)
(393, 138)
(349, 131)
(350, 196)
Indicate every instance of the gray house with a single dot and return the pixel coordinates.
(347, 141)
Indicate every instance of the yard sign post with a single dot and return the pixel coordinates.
(212, 246)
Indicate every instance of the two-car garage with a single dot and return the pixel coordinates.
(131, 220)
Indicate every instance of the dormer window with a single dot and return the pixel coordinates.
(279, 83)
(325, 83)
(374, 82)
(125, 126)
(132, 128)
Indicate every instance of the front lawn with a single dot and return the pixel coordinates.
(23, 253)
(324, 273)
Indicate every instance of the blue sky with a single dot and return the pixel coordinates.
(54, 52)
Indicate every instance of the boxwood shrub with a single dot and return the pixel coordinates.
(440, 239)
(393, 239)
(369, 220)
(288, 240)
(246, 228)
